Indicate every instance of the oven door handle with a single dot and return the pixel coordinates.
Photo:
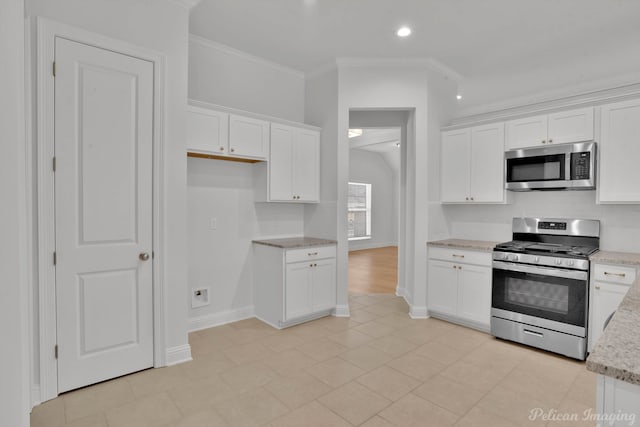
(543, 271)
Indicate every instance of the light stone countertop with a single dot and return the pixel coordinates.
(617, 352)
(623, 258)
(295, 242)
(479, 245)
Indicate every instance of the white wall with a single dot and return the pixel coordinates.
(620, 225)
(221, 259)
(385, 87)
(225, 76)
(163, 27)
(14, 360)
(371, 168)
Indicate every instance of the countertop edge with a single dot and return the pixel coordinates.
(478, 245)
(295, 242)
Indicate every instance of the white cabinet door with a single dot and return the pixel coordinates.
(455, 165)
(323, 284)
(306, 166)
(619, 150)
(248, 137)
(605, 297)
(443, 287)
(571, 126)
(207, 131)
(487, 163)
(474, 293)
(526, 132)
(297, 293)
(281, 163)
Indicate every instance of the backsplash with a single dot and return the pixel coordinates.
(619, 224)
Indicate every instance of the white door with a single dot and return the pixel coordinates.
(103, 209)
(455, 165)
(487, 163)
(527, 132)
(606, 298)
(248, 137)
(474, 293)
(324, 284)
(207, 130)
(306, 165)
(281, 163)
(443, 287)
(297, 299)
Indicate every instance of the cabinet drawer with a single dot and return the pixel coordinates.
(614, 274)
(461, 256)
(310, 253)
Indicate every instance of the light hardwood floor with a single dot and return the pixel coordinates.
(373, 271)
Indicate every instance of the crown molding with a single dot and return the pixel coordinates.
(187, 4)
(194, 38)
(595, 93)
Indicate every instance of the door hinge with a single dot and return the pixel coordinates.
(55, 351)
(55, 258)
(54, 164)
(53, 69)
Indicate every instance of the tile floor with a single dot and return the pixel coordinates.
(377, 368)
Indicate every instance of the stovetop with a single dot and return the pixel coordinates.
(546, 248)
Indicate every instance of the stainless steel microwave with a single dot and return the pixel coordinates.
(554, 167)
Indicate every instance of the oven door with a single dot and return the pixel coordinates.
(526, 171)
(548, 297)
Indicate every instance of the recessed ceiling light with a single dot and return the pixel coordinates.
(354, 132)
(458, 97)
(404, 31)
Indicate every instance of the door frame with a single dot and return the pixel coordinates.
(47, 31)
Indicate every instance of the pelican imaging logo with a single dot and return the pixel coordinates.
(618, 418)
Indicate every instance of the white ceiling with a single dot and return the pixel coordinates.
(472, 37)
(377, 140)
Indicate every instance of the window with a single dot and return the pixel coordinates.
(359, 216)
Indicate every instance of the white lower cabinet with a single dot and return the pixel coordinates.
(459, 286)
(293, 285)
(609, 285)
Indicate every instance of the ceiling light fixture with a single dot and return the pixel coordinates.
(404, 31)
(458, 97)
(354, 132)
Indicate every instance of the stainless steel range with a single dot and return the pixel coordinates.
(540, 288)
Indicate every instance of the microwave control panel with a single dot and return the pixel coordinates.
(581, 165)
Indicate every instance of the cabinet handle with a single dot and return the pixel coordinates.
(466, 198)
(221, 148)
(550, 141)
(544, 142)
(597, 287)
(472, 199)
(457, 256)
(233, 150)
(313, 253)
(606, 273)
(315, 265)
(310, 265)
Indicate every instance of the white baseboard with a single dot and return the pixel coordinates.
(179, 354)
(217, 319)
(35, 395)
(418, 312)
(342, 311)
(369, 245)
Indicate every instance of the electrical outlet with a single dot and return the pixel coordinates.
(200, 297)
(213, 223)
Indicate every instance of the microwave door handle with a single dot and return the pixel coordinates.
(541, 271)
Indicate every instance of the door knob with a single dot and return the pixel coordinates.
(144, 256)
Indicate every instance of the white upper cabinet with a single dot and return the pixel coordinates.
(473, 165)
(248, 137)
(557, 128)
(207, 131)
(217, 133)
(487, 163)
(294, 166)
(619, 151)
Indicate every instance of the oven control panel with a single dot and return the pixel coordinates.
(550, 261)
(547, 225)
